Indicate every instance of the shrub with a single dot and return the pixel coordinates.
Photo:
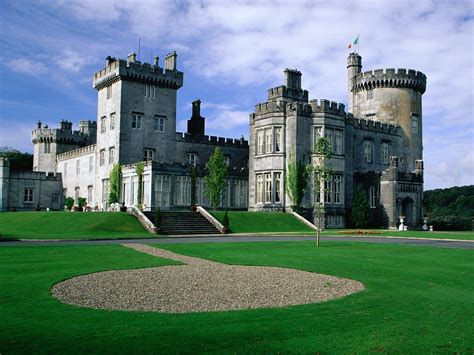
(452, 223)
(113, 197)
(360, 210)
(69, 202)
(225, 222)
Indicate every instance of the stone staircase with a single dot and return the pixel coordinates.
(176, 223)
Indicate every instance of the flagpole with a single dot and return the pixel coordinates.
(358, 40)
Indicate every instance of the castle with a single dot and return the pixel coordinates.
(377, 145)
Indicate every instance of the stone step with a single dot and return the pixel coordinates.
(187, 222)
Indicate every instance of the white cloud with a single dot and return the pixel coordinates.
(72, 61)
(27, 66)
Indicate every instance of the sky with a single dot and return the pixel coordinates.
(232, 52)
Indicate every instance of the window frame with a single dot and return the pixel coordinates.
(28, 194)
(136, 120)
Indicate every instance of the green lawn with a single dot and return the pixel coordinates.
(69, 225)
(416, 300)
(468, 235)
(262, 222)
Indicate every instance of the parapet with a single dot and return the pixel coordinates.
(327, 106)
(270, 107)
(212, 140)
(76, 152)
(373, 125)
(64, 134)
(133, 70)
(400, 78)
(286, 93)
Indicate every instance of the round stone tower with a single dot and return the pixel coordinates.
(390, 96)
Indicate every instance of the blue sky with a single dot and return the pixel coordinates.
(231, 52)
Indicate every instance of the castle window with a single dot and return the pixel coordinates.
(227, 160)
(277, 177)
(368, 151)
(328, 191)
(260, 146)
(136, 121)
(102, 124)
(105, 191)
(89, 195)
(111, 155)
(148, 154)
(268, 141)
(259, 188)
(373, 197)
(65, 169)
(112, 121)
(78, 167)
(191, 158)
(318, 133)
(268, 188)
(150, 91)
(337, 188)
(370, 94)
(55, 198)
(329, 135)
(159, 124)
(47, 147)
(414, 125)
(384, 153)
(91, 164)
(102, 157)
(338, 142)
(76, 194)
(277, 139)
(28, 195)
(109, 92)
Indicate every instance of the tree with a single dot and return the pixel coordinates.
(18, 160)
(69, 202)
(115, 175)
(296, 180)
(216, 180)
(139, 169)
(360, 210)
(320, 171)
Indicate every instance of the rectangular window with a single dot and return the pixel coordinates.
(338, 142)
(162, 190)
(150, 91)
(78, 167)
(55, 198)
(318, 133)
(227, 160)
(373, 197)
(368, 151)
(148, 154)
(414, 125)
(328, 191)
(384, 153)
(191, 158)
(91, 164)
(260, 146)
(277, 177)
(102, 124)
(159, 124)
(76, 194)
(268, 141)
(329, 135)
(89, 195)
(136, 121)
(109, 92)
(112, 121)
(105, 191)
(111, 155)
(337, 188)
(277, 139)
(28, 195)
(268, 188)
(47, 147)
(102, 157)
(65, 169)
(259, 188)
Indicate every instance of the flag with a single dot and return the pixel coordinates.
(356, 41)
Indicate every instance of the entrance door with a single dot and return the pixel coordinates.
(407, 211)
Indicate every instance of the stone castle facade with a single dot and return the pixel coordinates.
(377, 144)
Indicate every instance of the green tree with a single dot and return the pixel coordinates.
(139, 169)
(69, 202)
(18, 160)
(296, 180)
(215, 180)
(115, 175)
(320, 171)
(360, 210)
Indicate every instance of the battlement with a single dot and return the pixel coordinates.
(77, 152)
(399, 78)
(133, 70)
(327, 107)
(212, 140)
(372, 125)
(283, 92)
(64, 134)
(301, 109)
(270, 107)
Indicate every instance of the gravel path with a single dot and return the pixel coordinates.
(200, 286)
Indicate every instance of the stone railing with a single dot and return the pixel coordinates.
(211, 219)
(145, 222)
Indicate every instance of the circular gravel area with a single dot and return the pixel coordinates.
(200, 286)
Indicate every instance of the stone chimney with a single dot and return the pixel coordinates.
(293, 79)
(156, 61)
(132, 57)
(38, 124)
(196, 124)
(170, 61)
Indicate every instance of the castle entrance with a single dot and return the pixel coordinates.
(408, 211)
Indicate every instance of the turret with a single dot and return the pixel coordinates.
(354, 67)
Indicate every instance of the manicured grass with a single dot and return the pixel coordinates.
(69, 225)
(407, 234)
(262, 222)
(416, 300)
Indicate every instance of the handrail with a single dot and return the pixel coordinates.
(145, 222)
(304, 220)
(211, 219)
